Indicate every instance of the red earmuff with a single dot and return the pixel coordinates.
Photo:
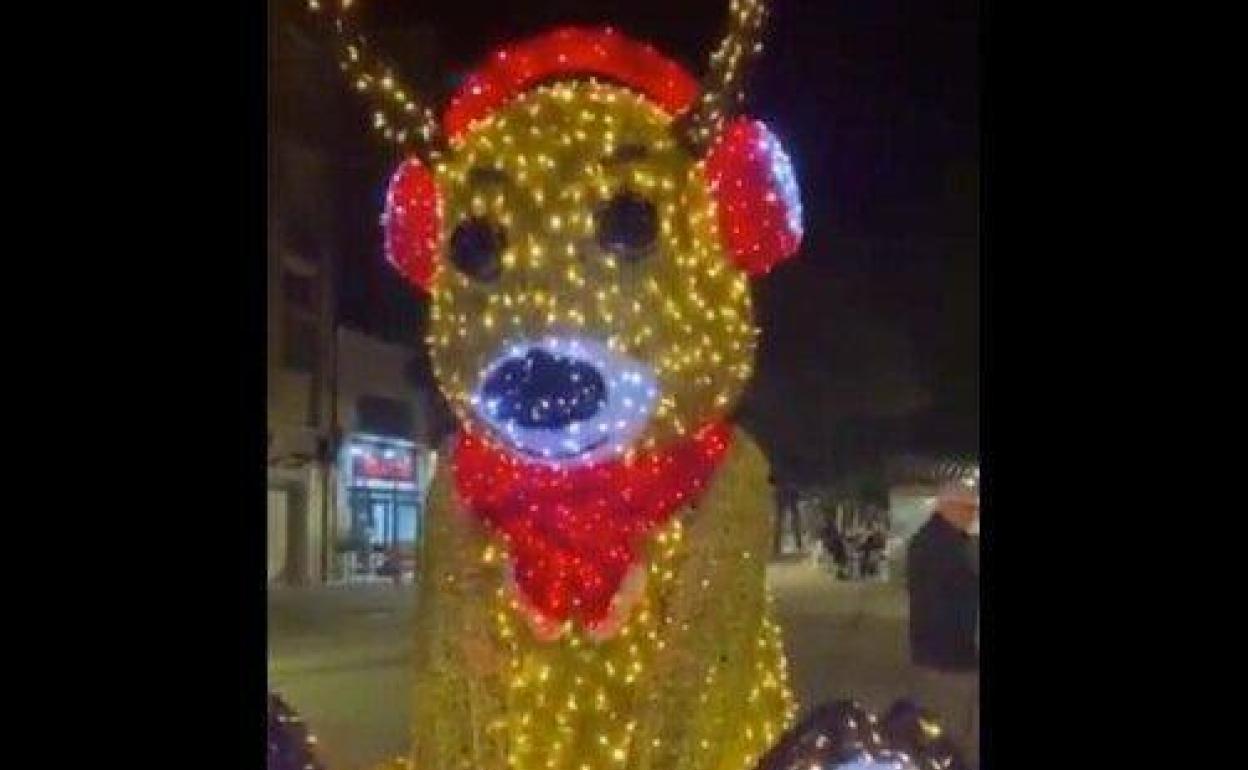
(760, 208)
(413, 223)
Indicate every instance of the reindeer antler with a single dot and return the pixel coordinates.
(399, 114)
(723, 87)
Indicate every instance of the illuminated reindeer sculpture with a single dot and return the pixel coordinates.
(585, 219)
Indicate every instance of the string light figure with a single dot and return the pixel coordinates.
(586, 218)
(291, 746)
(844, 735)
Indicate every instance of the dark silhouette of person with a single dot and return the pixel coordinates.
(943, 583)
(834, 544)
(873, 550)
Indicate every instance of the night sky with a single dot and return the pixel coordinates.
(871, 335)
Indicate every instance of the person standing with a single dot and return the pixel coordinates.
(942, 579)
(834, 545)
(873, 550)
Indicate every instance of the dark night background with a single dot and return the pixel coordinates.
(870, 341)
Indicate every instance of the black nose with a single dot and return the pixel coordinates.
(543, 390)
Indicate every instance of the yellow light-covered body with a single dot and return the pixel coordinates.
(695, 680)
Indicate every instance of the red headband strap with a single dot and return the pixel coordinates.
(569, 51)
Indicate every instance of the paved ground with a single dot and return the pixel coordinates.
(339, 655)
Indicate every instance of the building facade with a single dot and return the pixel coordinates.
(326, 387)
(348, 459)
(384, 461)
(300, 359)
(348, 474)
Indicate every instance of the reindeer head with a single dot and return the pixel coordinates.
(586, 224)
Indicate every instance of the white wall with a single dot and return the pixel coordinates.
(371, 367)
(276, 533)
(301, 490)
(908, 508)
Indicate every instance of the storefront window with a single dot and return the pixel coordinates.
(386, 504)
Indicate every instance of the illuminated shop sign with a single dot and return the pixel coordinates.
(382, 464)
(387, 465)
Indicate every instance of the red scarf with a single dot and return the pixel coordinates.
(573, 534)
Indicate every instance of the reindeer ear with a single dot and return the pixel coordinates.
(760, 210)
(413, 223)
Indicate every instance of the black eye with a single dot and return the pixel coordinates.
(477, 247)
(628, 226)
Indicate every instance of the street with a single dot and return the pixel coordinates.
(339, 655)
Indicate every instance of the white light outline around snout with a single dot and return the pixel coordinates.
(632, 393)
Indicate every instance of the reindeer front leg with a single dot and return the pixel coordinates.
(718, 693)
(458, 667)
